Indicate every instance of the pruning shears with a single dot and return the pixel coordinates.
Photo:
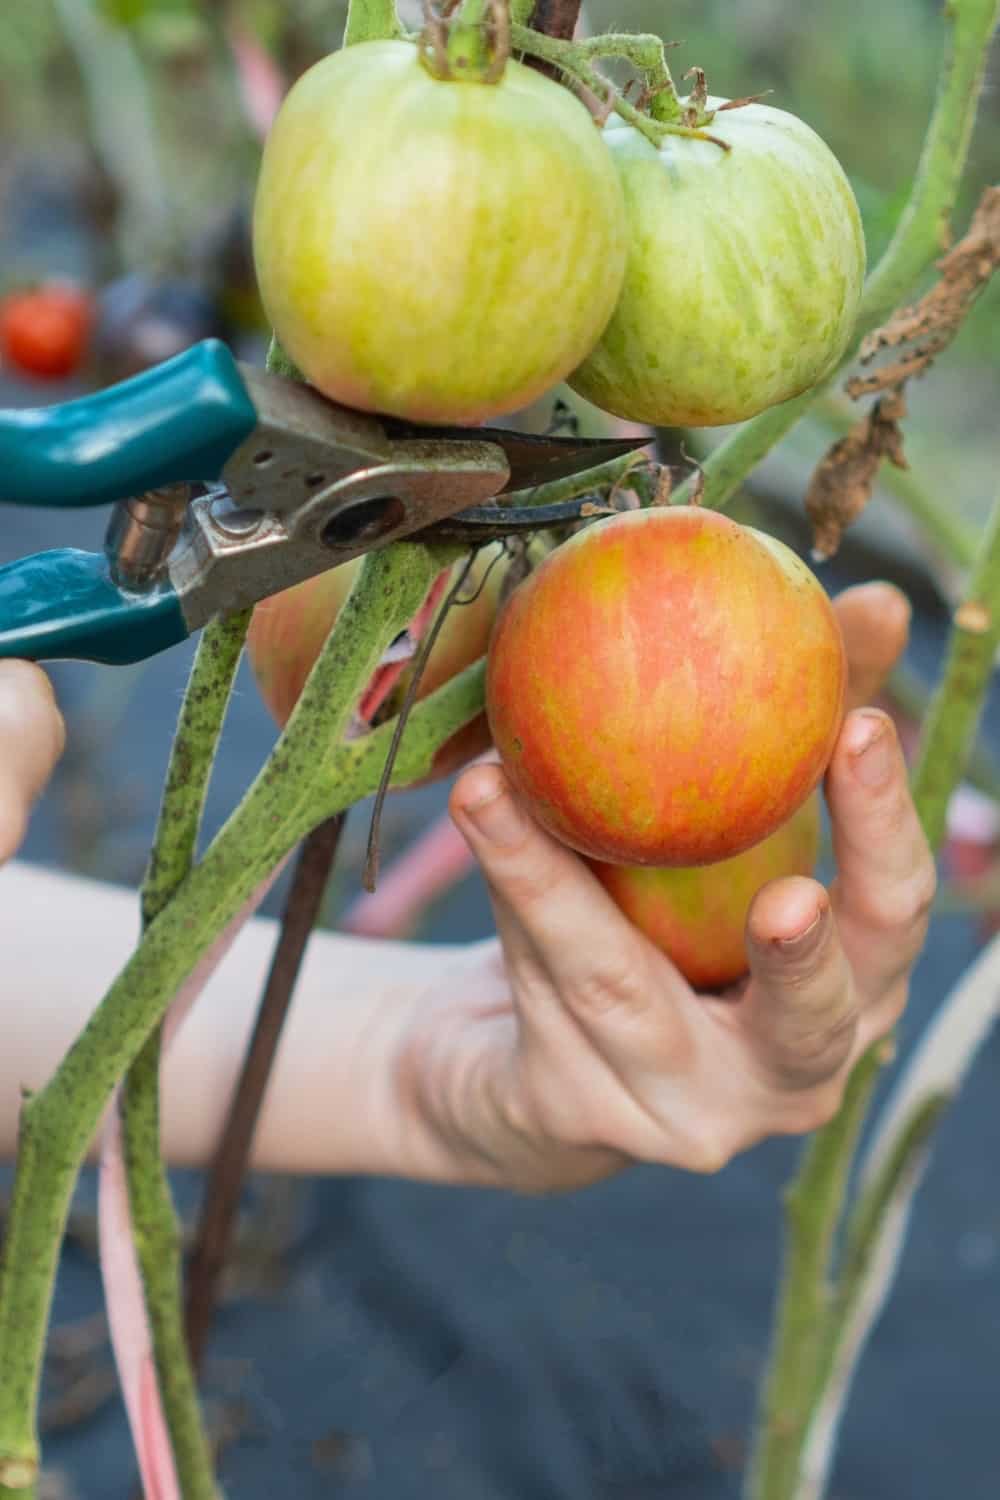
(230, 484)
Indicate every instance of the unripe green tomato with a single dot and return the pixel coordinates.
(438, 250)
(698, 916)
(287, 633)
(744, 272)
(666, 688)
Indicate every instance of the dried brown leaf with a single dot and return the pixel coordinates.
(844, 479)
(932, 323)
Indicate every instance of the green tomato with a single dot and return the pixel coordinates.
(744, 272)
(442, 251)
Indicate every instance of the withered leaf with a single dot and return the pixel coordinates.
(845, 477)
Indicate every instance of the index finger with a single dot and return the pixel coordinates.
(32, 735)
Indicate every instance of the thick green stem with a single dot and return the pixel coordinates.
(58, 1124)
(796, 1361)
(812, 1213)
(154, 1221)
(192, 756)
(950, 731)
(371, 21)
(908, 692)
(468, 45)
(948, 741)
(810, 1313)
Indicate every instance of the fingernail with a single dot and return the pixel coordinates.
(872, 752)
(805, 941)
(498, 818)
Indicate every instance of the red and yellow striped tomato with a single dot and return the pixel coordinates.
(698, 916)
(666, 688)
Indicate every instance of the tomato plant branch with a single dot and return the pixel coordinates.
(889, 1179)
(371, 21)
(811, 1314)
(224, 1184)
(154, 1221)
(920, 236)
(799, 1353)
(813, 1206)
(950, 730)
(572, 60)
(58, 1123)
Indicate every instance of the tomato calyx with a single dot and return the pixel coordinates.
(467, 42)
(659, 111)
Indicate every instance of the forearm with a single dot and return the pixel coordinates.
(328, 1106)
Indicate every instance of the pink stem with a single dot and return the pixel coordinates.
(131, 1335)
(262, 85)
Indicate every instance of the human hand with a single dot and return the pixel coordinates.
(32, 735)
(573, 1047)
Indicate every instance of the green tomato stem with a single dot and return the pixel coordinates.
(953, 721)
(647, 54)
(571, 59)
(467, 48)
(813, 1207)
(806, 1334)
(371, 21)
(814, 1311)
(58, 1123)
(151, 1209)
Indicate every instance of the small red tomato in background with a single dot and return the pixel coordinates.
(44, 331)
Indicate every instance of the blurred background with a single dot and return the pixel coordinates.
(389, 1340)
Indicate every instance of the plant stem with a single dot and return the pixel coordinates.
(58, 1124)
(192, 757)
(812, 1213)
(224, 1184)
(950, 731)
(371, 21)
(467, 49)
(151, 1209)
(794, 1362)
(908, 692)
(810, 1314)
(571, 59)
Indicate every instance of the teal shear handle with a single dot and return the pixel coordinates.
(177, 423)
(65, 604)
(180, 421)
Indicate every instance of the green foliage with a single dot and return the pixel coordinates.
(129, 12)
